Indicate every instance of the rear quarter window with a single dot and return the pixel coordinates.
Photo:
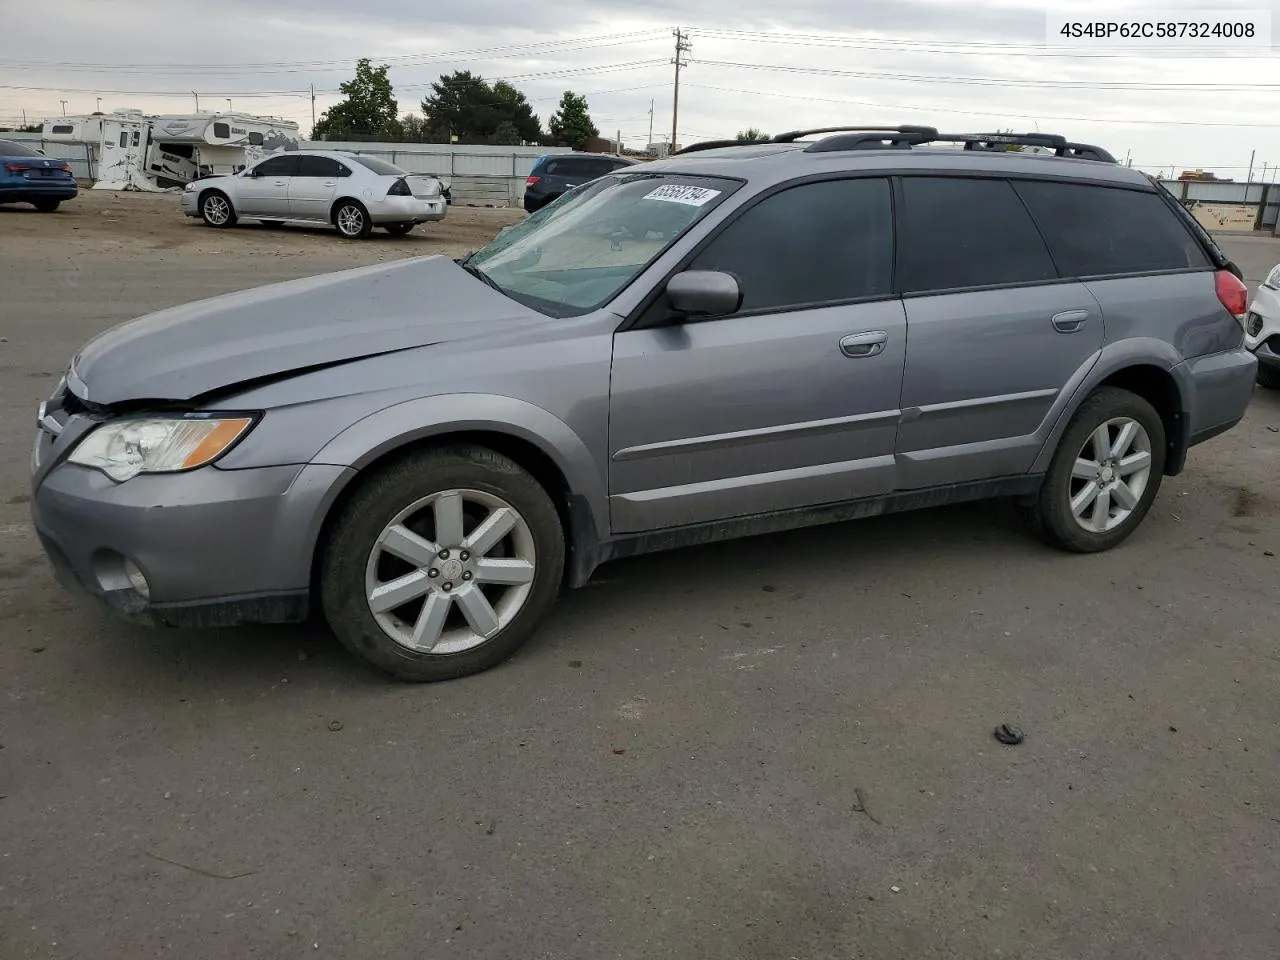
(1105, 231)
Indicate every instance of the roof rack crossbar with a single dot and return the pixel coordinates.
(793, 135)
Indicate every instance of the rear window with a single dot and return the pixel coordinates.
(585, 167)
(961, 232)
(380, 167)
(1101, 231)
(9, 148)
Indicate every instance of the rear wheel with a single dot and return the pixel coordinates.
(399, 229)
(47, 206)
(1269, 377)
(442, 564)
(352, 220)
(216, 210)
(1104, 476)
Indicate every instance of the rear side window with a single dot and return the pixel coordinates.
(222, 131)
(959, 232)
(63, 128)
(310, 166)
(811, 244)
(1100, 231)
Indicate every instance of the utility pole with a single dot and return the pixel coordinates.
(617, 145)
(648, 142)
(99, 99)
(228, 99)
(683, 46)
(197, 96)
(64, 107)
(313, 110)
(1264, 171)
(1249, 177)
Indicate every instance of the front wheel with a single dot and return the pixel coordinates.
(352, 220)
(1269, 377)
(399, 229)
(47, 206)
(1105, 474)
(442, 564)
(216, 210)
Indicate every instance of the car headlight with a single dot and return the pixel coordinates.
(1273, 278)
(190, 186)
(125, 448)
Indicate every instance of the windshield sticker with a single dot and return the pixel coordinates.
(679, 193)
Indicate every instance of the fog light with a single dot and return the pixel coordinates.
(1255, 325)
(136, 579)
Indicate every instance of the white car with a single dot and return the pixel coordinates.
(354, 193)
(1262, 329)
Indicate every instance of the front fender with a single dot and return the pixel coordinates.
(392, 427)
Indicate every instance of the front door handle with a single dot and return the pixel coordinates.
(1069, 321)
(867, 344)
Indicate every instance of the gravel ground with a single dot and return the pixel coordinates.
(774, 748)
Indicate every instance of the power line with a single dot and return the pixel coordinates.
(993, 112)
(546, 74)
(999, 81)
(608, 39)
(958, 47)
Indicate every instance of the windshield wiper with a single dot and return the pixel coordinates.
(482, 276)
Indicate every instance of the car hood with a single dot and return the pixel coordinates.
(198, 348)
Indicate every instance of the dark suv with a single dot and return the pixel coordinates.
(554, 174)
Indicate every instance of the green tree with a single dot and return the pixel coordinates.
(413, 129)
(571, 124)
(506, 135)
(369, 109)
(463, 105)
(751, 135)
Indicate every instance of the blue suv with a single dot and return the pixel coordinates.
(554, 174)
(28, 176)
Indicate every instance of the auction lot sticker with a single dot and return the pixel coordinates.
(1186, 31)
(679, 193)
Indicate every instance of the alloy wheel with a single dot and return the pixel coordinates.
(1110, 474)
(216, 210)
(450, 571)
(350, 221)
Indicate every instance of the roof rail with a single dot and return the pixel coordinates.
(859, 137)
(918, 136)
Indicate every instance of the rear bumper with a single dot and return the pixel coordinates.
(1221, 385)
(407, 210)
(39, 191)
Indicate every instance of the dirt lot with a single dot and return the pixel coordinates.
(770, 749)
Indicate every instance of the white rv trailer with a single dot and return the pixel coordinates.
(134, 151)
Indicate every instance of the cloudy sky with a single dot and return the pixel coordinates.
(980, 64)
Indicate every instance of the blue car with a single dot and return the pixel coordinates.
(28, 176)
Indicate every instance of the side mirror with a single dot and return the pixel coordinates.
(704, 293)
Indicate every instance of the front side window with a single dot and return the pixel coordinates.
(965, 232)
(576, 254)
(810, 244)
(1100, 231)
(284, 165)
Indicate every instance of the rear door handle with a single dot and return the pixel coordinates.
(1069, 321)
(866, 344)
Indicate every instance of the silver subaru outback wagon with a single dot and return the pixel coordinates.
(736, 340)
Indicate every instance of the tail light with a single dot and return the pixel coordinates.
(1232, 293)
(530, 181)
(18, 167)
(400, 189)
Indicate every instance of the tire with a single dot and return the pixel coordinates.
(352, 219)
(272, 223)
(1269, 377)
(405, 493)
(399, 229)
(1051, 514)
(46, 206)
(216, 210)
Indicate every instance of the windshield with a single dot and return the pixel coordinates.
(576, 254)
(380, 167)
(9, 148)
